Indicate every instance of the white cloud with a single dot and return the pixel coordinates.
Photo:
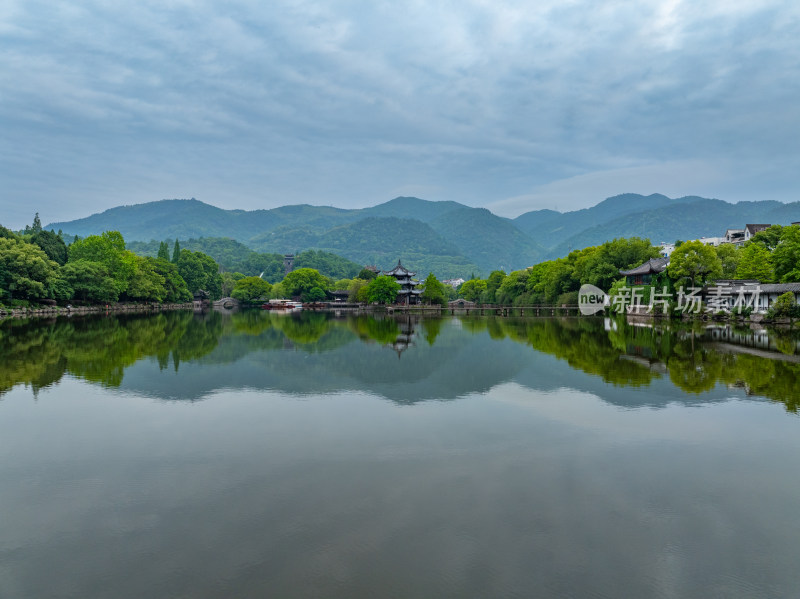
(479, 100)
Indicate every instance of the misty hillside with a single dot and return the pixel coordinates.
(447, 238)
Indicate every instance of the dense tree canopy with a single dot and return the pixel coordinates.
(472, 290)
(200, 273)
(382, 290)
(90, 281)
(755, 262)
(25, 270)
(249, 289)
(696, 262)
(366, 274)
(433, 291)
(301, 282)
(52, 245)
(786, 257)
(37, 265)
(109, 250)
(729, 256)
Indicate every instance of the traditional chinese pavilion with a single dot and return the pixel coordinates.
(643, 274)
(408, 294)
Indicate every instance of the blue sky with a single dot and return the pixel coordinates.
(510, 105)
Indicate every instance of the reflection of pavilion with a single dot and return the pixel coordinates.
(406, 337)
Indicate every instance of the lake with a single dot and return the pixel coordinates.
(311, 455)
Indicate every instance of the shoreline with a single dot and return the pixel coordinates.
(50, 311)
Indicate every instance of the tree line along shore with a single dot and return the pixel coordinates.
(39, 270)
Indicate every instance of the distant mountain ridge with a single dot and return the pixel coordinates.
(447, 238)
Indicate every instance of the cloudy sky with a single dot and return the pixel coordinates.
(509, 105)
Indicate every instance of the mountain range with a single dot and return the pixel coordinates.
(446, 238)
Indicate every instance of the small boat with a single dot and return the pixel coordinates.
(282, 304)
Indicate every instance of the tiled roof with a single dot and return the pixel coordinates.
(652, 266)
(756, 228)
(399, 270)
(780, 287)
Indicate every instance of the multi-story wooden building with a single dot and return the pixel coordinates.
(408, 294)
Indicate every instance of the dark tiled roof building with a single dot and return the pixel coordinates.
(750, 230)
(643, 274)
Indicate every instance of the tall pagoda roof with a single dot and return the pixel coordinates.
(400, 271)
(652, 266)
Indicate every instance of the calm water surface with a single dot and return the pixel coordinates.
(255, 455)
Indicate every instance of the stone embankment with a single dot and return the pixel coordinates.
(50, 311)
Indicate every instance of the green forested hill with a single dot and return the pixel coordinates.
(406, 207)
(378, 241)
(159, 220)
(237, 257)
(551, 229)
(447, 238)
(691, 220)
(491, 241)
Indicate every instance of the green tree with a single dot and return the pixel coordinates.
(146, 284)
(229, 282)
(729, 256)
(327, 263)
(356, 291)
(200, 271)
(784, 306)
(52, 245)
(175, 288)
(557, 279)
(600, 265)
(512, 287)
(90, 281)
(755, 262)
(176, 252)
(472, 290)
(696, 262)
(315, 294)
(768, 238)
(382, 289)
(36, 227)
(492, 285)
(277, 291)
(109, 250)
(301, 281)
(366, 274)
(25, 270)
(249, 289)
(433, 291)
(536, 280)
(341, 285)
(786, 257)
(163, 251)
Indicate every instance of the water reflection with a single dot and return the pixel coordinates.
(440, 358)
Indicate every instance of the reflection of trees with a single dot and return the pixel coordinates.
(368, 328)
(622, 356)
(433, 327)
(694, 369)
(100, 349)
(27, 356)
(583, 343)
(304, 327)
(785, 341)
